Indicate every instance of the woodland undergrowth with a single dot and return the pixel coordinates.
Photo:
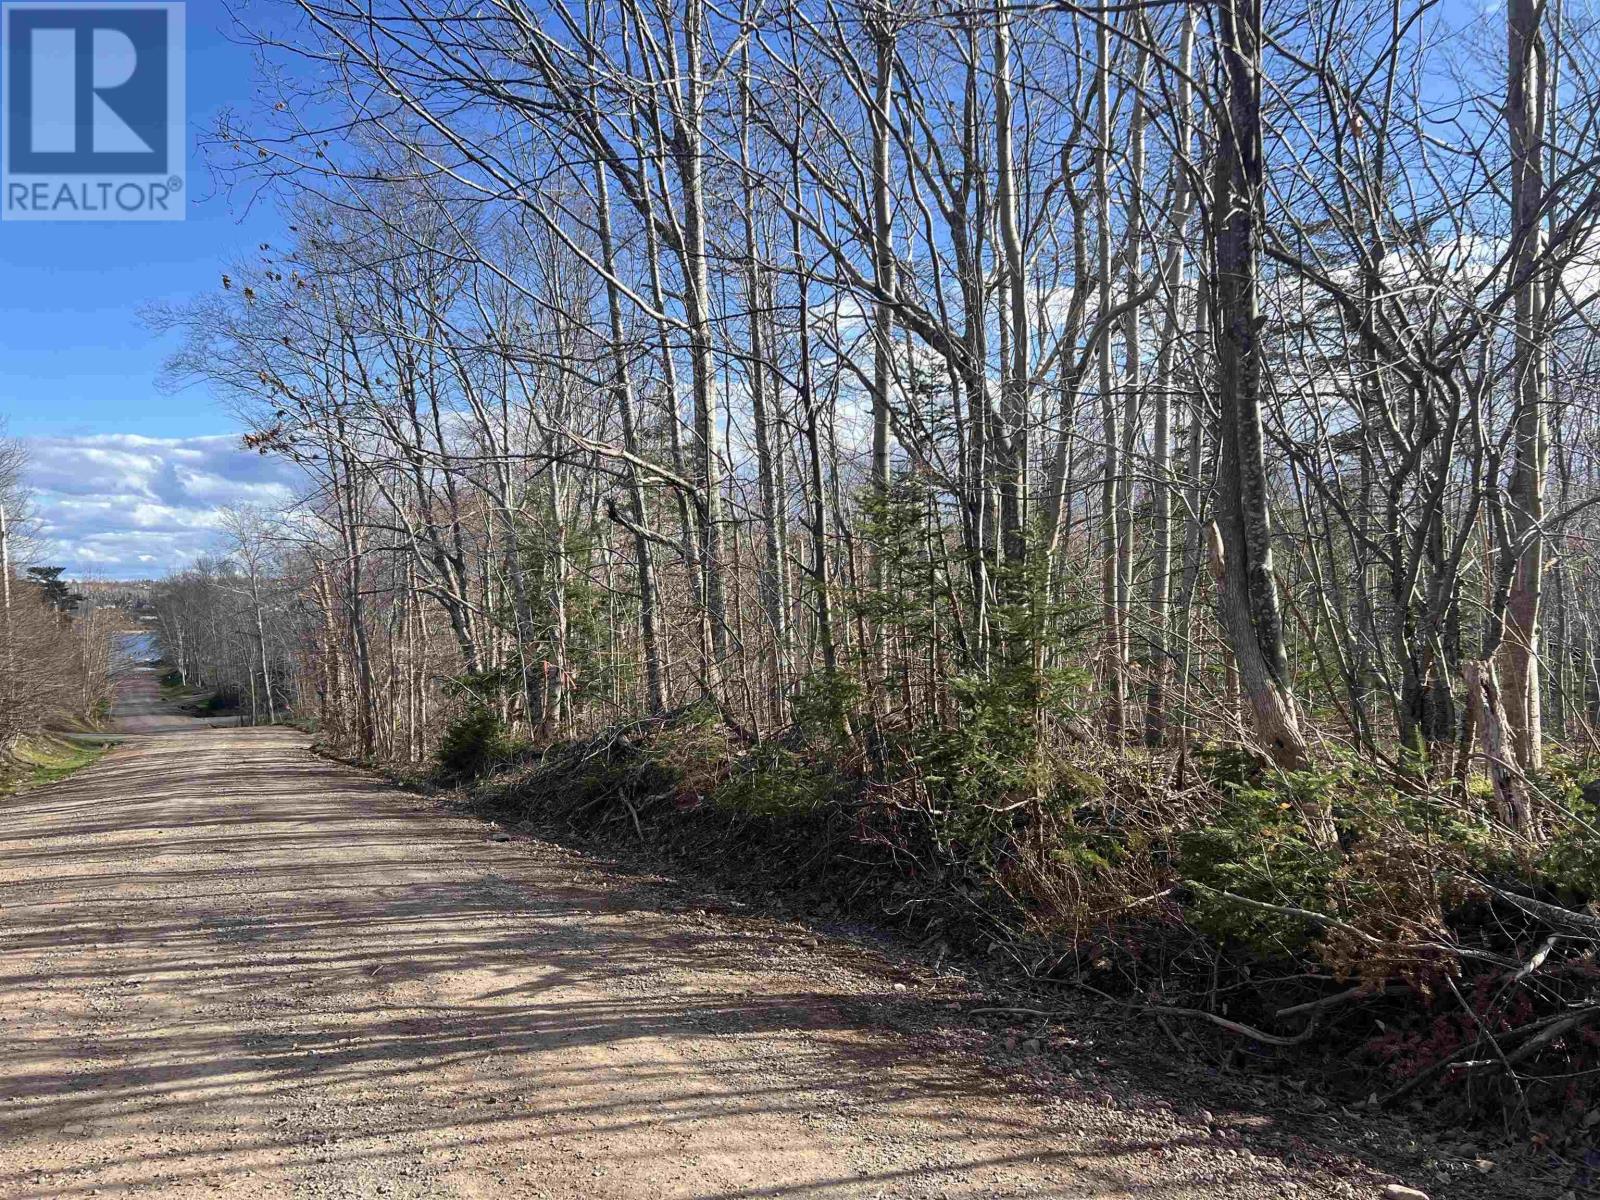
(1421, 955)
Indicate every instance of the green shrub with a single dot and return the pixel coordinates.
(223, 700)
(1257, 846)
(1570, 858)
(472, 744)
(820, 707)
(772, 782)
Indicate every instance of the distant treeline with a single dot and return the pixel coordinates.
(57, 662)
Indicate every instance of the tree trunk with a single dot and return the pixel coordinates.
(697, 303)
(1114, 662)
(1011, 448)
(1172, 273)
(1488, 716)
(1248, 597)
(1519, 652)
(622, 386)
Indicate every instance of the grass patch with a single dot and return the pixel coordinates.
(36, 761)
(174, 689)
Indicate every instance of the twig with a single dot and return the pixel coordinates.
(1167, 1010)
(1485, 1035)
(1552, 913)
(1356, 993)
(1239, 1027)
(1537, 961)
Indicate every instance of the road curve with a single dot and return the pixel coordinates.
(229, 966)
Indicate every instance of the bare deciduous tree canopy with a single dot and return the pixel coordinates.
(979, 393)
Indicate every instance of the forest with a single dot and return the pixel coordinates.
(1108, 488)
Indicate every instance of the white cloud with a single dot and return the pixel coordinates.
(126, 506)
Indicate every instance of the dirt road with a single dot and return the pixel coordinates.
(227, 966)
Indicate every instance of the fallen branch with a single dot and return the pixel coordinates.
(634, 813)
(1239, 1027)
(1551, 1032)
(1360, 992)
(1554, 914)
(1167, 1010)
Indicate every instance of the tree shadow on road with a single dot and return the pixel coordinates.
(222, 972)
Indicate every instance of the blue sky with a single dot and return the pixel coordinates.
(78, 369)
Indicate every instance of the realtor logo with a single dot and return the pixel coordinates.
(91, 111)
